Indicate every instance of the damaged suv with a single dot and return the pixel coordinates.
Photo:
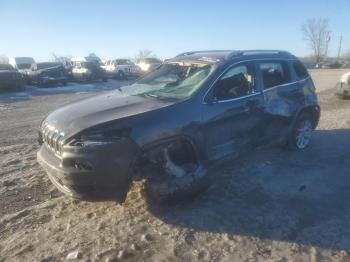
(176, 124)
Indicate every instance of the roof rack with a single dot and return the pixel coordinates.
(201, 52)
(254, 52)
(257, 52)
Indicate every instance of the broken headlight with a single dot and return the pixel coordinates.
(98, 138)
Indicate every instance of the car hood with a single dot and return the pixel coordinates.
(8, 74)
(47, 70)
(78, 116)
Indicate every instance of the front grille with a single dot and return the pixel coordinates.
(52, 138)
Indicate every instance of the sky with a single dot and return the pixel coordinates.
(119, 29)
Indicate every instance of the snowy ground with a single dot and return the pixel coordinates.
(270, 205)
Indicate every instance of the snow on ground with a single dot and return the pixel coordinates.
(70, 88)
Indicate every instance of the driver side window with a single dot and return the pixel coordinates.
(238, 81)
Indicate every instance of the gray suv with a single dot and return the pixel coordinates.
(176, 124)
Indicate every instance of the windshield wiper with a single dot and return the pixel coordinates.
(148, 95)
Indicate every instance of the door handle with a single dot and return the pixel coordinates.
(250, 104)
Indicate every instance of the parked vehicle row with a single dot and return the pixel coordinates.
(79, 69)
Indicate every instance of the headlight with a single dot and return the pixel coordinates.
(144, 66)
(93, 139)
(98, 138)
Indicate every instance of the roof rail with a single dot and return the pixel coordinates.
(257, 52)
(254, 52)
(200, 51)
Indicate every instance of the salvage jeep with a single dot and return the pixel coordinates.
(174, 126)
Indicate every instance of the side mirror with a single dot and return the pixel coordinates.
(212, 100)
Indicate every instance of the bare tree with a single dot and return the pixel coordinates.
(144, 53)
(317, 35)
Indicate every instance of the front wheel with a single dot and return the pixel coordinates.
(176, 189)
(121, 75)
(301, 133)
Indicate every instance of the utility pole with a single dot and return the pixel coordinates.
(339, 49)
(328, 39)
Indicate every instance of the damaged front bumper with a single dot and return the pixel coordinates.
(91, 171)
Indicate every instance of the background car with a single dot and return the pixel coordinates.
(88, 71)
(121, 68)
(148, 64)
(10, 78)
(342, 88)
(22, 64)
(47, 73)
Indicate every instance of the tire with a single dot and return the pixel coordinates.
(121, 75)
(172, 190)
(40, 83)
(301, 132)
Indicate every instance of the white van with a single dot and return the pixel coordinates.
(21, 63)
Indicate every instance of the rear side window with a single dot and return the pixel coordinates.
(300, 70)
(274, 73)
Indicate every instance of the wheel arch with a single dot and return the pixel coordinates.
(313, 110)
(149, 148)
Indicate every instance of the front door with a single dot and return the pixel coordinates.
(232, 113)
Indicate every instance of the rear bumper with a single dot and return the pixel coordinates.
(107, 171)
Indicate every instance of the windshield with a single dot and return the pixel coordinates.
(123, 62)
(46, 65)
(24, 66)
(175, 80)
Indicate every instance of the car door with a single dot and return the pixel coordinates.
(232, 112)
(282, 97)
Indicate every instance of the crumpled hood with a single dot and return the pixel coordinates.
(86, 113)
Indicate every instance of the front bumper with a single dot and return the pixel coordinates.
(52, 79)
(106, 170)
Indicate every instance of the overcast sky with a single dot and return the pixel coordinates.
(114, 29)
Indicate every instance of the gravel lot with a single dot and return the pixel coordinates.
(271, 205)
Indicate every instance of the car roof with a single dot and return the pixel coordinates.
(215, 56)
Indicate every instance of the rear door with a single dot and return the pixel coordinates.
(282, 97)
(232, 112)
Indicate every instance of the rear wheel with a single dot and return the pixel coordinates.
(301, 133)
